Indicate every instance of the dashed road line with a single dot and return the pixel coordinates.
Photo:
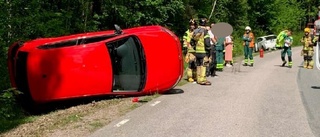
(122, 122)
(155, 103)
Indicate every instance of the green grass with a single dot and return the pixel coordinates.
(8, 124)
(95, 125)
(67, 120)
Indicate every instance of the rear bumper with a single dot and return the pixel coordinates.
(11, 62)
(17, 67)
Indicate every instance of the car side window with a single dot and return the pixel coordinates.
(259, 39)
(127, 63)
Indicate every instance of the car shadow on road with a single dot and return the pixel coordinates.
(174, 91)
(284, 66)
(315, 87)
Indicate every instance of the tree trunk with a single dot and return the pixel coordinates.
(9, 19)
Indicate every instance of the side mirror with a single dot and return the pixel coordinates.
(118, 30)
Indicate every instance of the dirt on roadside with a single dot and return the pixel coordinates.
(77, 121)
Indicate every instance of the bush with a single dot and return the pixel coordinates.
(9, 108)
(11, 113)
(296, 38)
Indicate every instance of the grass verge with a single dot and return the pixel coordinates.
(80, 120)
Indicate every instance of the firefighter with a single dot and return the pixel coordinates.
(190, 58)
(287, 48)
(248, 43)
(202, 40)
(307, 50)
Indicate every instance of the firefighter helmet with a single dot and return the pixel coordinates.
(192, 22)
(203, 22)
(248, 28)
(307, 30)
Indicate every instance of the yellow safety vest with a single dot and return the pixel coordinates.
(200, 47)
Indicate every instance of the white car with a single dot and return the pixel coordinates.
(266, 42)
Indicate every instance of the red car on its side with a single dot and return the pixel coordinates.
(134, 61)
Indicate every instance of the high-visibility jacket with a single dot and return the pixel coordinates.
(248, 39)
(187, 38)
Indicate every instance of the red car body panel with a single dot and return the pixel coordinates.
(86, 69)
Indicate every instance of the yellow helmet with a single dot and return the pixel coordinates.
(307, 30)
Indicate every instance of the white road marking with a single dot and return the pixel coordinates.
(122, 122)
(155, 103)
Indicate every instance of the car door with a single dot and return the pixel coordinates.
(128, 64)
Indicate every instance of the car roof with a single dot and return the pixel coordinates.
(92, 34)
(267, 36)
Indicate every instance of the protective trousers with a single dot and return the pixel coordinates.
(308, 58)
(286, 50)
(191, 69)
(248, 55)
(213, 63)
(202, 61)
(219, 57)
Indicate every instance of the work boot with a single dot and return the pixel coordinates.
(284, 63)
(310, 64)
(245, 64)
(251, 65)
(203, 80)
(305, 64)
(290, 64)
(190, 80)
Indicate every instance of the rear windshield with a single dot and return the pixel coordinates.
(271, 37)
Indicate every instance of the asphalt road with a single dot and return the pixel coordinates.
(265, 100)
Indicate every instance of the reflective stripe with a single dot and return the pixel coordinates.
(246, 61)
(220, 66)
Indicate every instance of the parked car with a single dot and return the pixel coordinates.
(266, 42)
(134, 61)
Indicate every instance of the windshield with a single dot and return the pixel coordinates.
(271, 37)
(128, 64)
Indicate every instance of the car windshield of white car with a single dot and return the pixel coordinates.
(259, 39)
(271, 38)
(128, 64)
